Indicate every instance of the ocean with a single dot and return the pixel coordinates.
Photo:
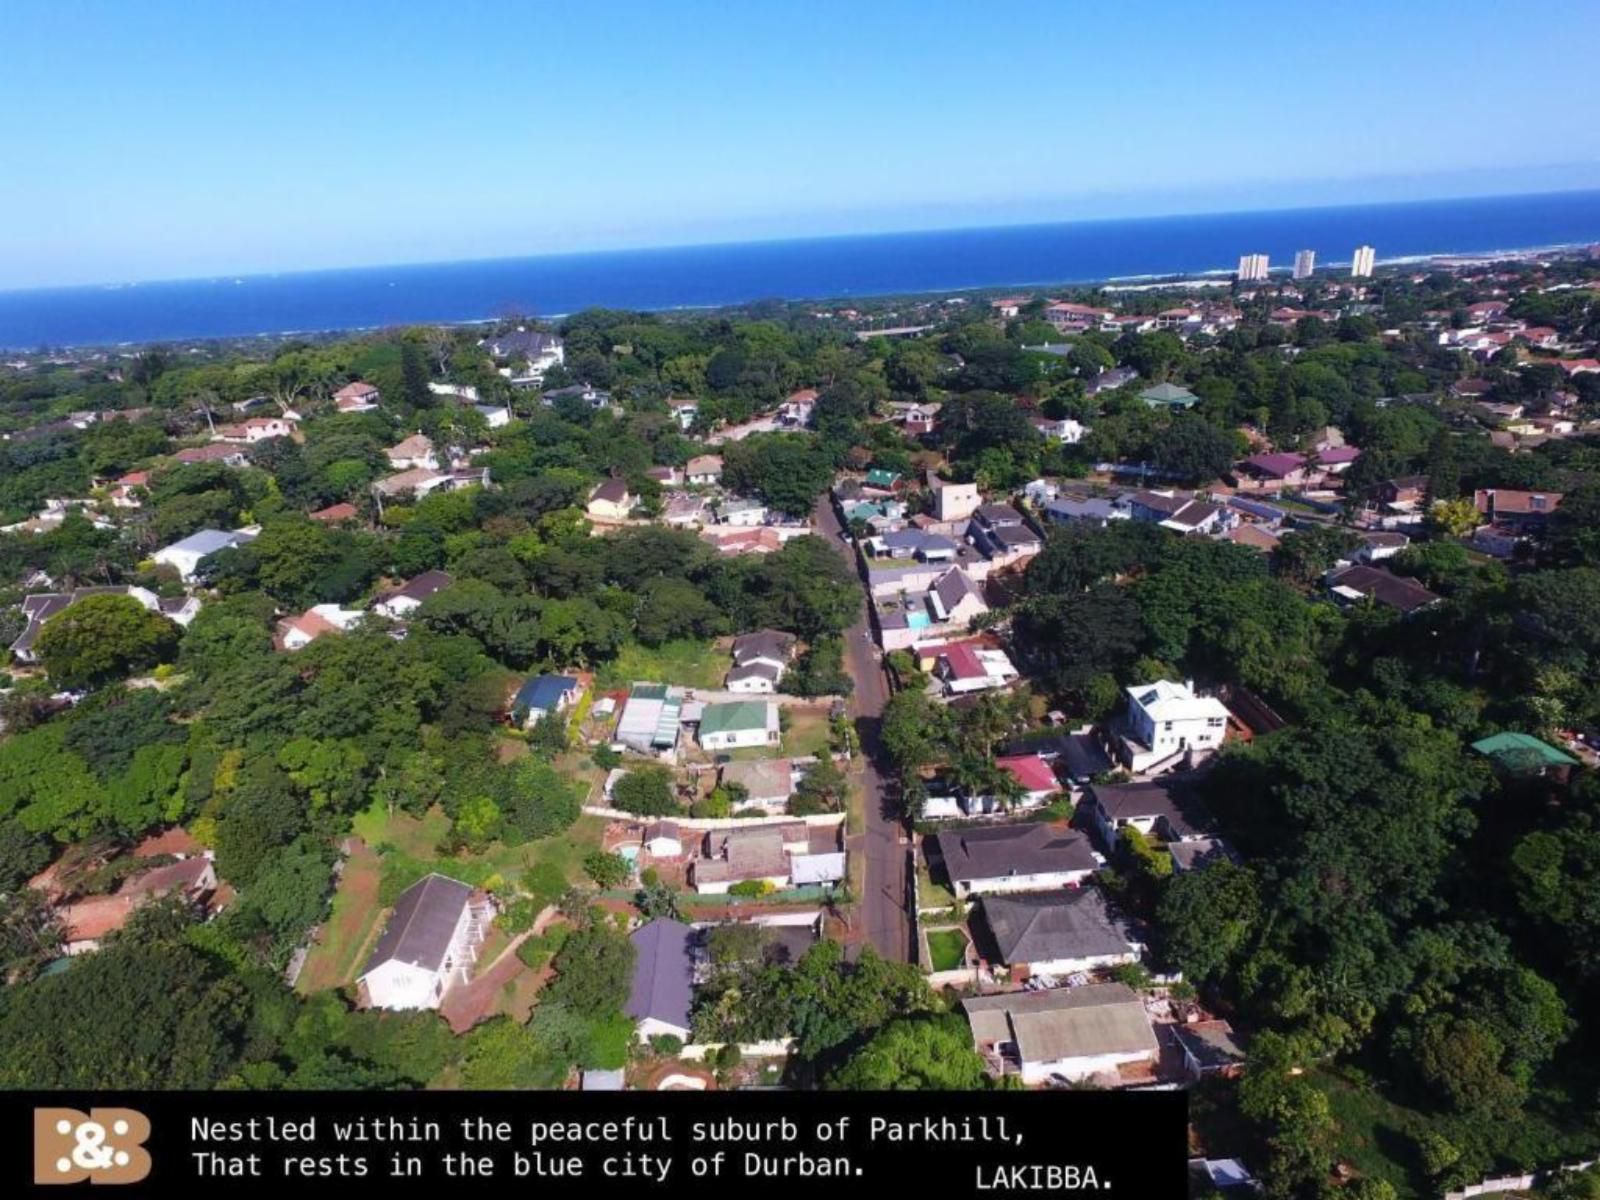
(817, 268)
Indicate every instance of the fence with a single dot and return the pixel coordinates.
(1516, 1183)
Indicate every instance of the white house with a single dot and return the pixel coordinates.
(1011, 858)
(1057, 933)
(742, 512)
(663, 980)
(1165, 719)
(414, 451)
(739, 724)
(295, 633)
(954, 501)
(356, 397)
(408, 597)
(662, 839)
(185, 555)
(1077, 1033)
(429, 944)
(1154, 807)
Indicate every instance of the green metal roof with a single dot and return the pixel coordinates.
(1506, 745)
(880, 477)
(1168, 393)
(733, 716)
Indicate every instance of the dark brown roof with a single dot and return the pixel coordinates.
(1405, 595)
(1032, 849)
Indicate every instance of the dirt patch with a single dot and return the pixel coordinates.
(346, 939)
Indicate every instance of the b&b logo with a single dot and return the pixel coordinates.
(104, 1145)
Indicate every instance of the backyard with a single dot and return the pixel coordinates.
(947, 949)
(684, 663)
(350, 930)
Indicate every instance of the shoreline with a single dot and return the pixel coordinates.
(1142, 282)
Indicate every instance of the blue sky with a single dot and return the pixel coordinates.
(165, 138)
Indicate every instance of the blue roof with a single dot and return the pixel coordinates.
(542, 693)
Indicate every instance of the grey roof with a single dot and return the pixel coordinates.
(1201, 852)
(999, 514)
(1052, 925)
(41, 606)
(996, 852)
(954, 585)
(1079, 1022)
(1071, 508)
(1211, 1043)
(917, 542)
(1165, 799)
(662, 973)
(422, 923)
(520, 341)
(755, 670)
(764, 643)
(1405, 595)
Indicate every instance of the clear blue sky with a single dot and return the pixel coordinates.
(165, 138)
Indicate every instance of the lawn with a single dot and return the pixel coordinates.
(419, 838)
(929, 893)
(350, 931)
(684, 663)
(947, 949)
(807, 734)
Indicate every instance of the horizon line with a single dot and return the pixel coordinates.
(667, 246)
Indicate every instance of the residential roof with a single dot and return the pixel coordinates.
(1397, 592)
(764, 779)
(1199, 852)
(1501, 502)
(951, 588)
(420, 587)
(336, 512)
(1168, 393)
(542, 693)
(422, 923)
(418, 445)
(1166, 700)
(355, 391)
(209, 541)
(1071, 923)
(736, 715)
(1277, 465)
(1210, 1043)
(754, 852)
(1031, 849)
(755, 670)
(764, 643)
(615, 491)
(1031, 771)
(704, 464)
(1080, 1022)
(663, 973)
(1511, 747)
(1164, 798)
(1254, 536)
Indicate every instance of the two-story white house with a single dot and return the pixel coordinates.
(1166, 719)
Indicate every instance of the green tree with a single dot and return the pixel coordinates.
(104, 637)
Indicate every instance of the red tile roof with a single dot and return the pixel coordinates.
(1031, 771)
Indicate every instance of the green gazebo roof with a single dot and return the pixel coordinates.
(1523, 746)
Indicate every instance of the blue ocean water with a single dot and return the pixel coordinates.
(699, 276)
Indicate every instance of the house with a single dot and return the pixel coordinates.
(739, 724)
(1524, 754)
(336, 514)
(1286, 469)
(1011, 858)
(964, 667)
(649, 721)
(542, 694)
(295, 633)
(255, 429)
(1158, 807)
(1076, 1034)
(1198, 853)
(582, 393)
(1522, 512)
(611, 501)
(533, 351)
(429, 944)
(704, 469)
(1001, 533)
(180, 610)
(913, 543)
(1169, 396)
(683, 511)
(1110, 380)
(1054, 933)
(408, 597)
(1379, 545)
(795, 412)
(955, 599)
(1092, 510)
(760, 660)
(1064, 430)
(231, 456)
(186, 555)
(414, 451)
(1209, 1049)
(85, 922)
(883, 479)
(418, 481)
(663, 840)
(684, 412)
(1075, 318)
(1163, 721)
(767, 782)
(41, 606)
(129, 491)
(954, 501)
(1034, 775)
(740, 855)
(1351, 585)
(356, 397)
(1403, 493)
(1257, 537)
(742, 512)
(663, 980)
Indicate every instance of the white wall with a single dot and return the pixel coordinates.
(1021, 883)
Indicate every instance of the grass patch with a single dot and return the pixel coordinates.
(350, 931)
(947, 949)
(685, 663)
(807, 734)
(1375, 1134)
(929, 893)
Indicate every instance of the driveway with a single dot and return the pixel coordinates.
(886, 890)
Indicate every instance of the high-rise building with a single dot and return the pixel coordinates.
(1252, 266)
(1361, 264)
(1305, 262)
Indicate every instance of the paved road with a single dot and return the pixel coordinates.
(885, 896)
